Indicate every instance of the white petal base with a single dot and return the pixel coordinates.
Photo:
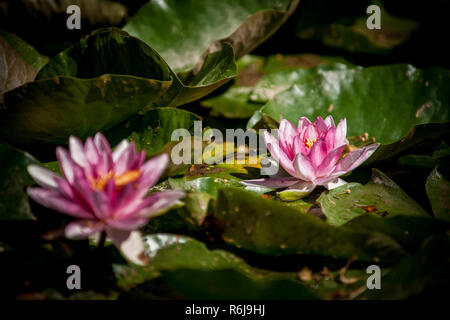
(297, 191)
(335, 183)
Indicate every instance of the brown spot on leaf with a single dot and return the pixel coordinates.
(422, 108)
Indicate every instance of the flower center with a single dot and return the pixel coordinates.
(120, 180)
(309, 143)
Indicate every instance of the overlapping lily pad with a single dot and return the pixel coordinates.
(196, 272)
(380, 197)
(396, 105)
(76, 93)
(438, 191)
(268, 227)
(14, 179)
(201, 43)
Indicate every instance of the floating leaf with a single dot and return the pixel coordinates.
(199, 273)
(201, 43)
(426, 271)
(14, 179)
(380, 197)
(384, 102)
(59, 105)
(268, 227)
(438, 191)
(351, 33)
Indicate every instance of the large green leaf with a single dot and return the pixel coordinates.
(181, 31)
(271, 228)
(261, 78)
(75, 95)
(348, 30)
(380, 197)
(438, 191)
(199, 273)
(152, 131)
(201, 43)
(383, 101)
(424, 273)
(14, 179)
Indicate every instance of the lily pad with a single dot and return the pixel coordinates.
(380, 197)
(152, 131)
(60, 104)
(270, 228)
(351, 33)
(438, 191)
(385, 102)
(14, 179)
(199, 273)
(426, 271)
(261, 78)
(201, 43)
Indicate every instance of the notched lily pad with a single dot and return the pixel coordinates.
(380, 197)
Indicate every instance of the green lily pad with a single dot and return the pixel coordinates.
(261, 78)
(152, 131)
(438, 191)
(75, 96)
(270, 228)
(380, 197)
(383, 101)
(194, 26)
(426, 271)
(351, 33)
(199, 273)
(14, 179)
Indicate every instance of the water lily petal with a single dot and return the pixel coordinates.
(304, 168)
(152, 170)
(159, 201)
(341, 132)
(42, 176)
(297, 191)
(126, 159)
(52, 199)
(286, 134)
(76, 149)
(277, 153)
(330, 161)
(82, 229)
(272, 182)
(130, 244)
(330, 139)
(131, 223)
(66, 164)
(329, 121)
(318, 153)
(104, 149)
(355, 158)
(91, 152)
(303, 122)
(320, 125)
(335, 183)
(121, 147)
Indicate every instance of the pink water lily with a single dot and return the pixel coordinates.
(311, 155)
(104, 190)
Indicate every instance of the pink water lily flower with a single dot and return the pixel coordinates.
(104, 190)
(311, 154)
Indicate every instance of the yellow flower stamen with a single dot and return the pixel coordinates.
(309, 143)
(120, 181)
(126, 178)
